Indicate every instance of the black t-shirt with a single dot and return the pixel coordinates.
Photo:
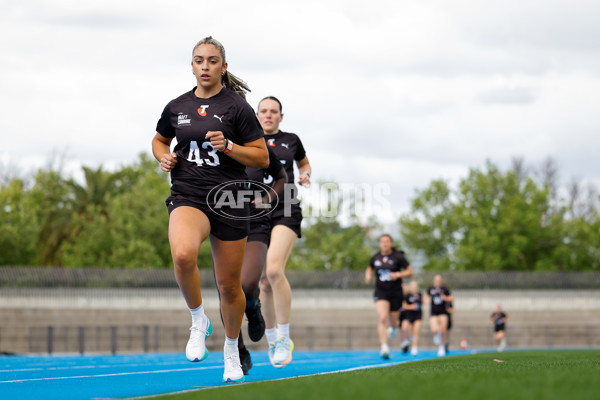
(416, 299)
(288, 148)
(188, 118)
(383, 266)
(437, 303)
(498, 319)
(266, 177)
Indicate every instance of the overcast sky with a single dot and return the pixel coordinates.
(394, 92)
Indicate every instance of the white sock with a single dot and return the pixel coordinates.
(284, 330)
(272, 335)
(231, 342)
(197, 314)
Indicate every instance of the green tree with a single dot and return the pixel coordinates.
(499, 221)
(74, 204)
(19, 225)
(129, 228)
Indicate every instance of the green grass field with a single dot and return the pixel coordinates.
(531, 375)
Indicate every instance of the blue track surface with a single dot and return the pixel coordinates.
(123, 376)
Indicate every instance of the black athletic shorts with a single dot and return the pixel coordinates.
(413, 316)
(223, 228)
(292, 221)
(402, 315)
(498, 328)
(438, 310)
(395, 298)
(260, 230)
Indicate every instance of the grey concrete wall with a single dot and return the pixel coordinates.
(138, 320)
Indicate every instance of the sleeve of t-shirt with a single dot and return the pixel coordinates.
(164, 126)
(300, 152)
(274, 164)
(404, 262)
(247, 126)
(372, 262)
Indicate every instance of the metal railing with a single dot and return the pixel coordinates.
(53, 277)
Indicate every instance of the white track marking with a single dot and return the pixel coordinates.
(116, 374)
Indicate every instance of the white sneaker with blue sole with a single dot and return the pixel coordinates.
(195, 350)
(233, 367)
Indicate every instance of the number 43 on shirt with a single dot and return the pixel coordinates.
(194, 155)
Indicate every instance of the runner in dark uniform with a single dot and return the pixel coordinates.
(389, 266)
(449, 312)
(437, 295)
(499, 318)
(413, 306)
(217, 135)
(276, 294)
(273, 177)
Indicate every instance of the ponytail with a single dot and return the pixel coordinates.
(232, 82)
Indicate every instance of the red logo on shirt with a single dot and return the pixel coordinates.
(271, 142)
(202, 111)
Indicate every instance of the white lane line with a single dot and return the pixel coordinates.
(326, 360)
(116, 374)
(91, 367)
(124, 365)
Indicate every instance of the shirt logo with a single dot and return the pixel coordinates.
(271, 142)
(202, 111)
(219, 118)
(287, 146)
(183, 120)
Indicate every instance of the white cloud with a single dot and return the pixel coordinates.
(397, 91)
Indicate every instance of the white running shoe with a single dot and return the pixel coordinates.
(441, 350)
(414, 351)
(392, 332)
(233, 367)
(437, 338)
(196, 347)
(405, 343)
(385, 352)
(271, 352)
(282, 352)
(502, 345)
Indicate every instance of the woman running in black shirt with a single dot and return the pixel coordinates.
(389, 267)
(413, 308)
(273, 177)
(276, 293)
(498, 319)
(217, 135)
(438, 295)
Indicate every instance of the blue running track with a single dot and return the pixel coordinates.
(123, 376)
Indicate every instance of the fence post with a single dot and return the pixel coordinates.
(310, 336)
(155, 337)
(146, 338)
(113, 340)
(349, 335)
(81, 340)
(31, 339)
(50, 338)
